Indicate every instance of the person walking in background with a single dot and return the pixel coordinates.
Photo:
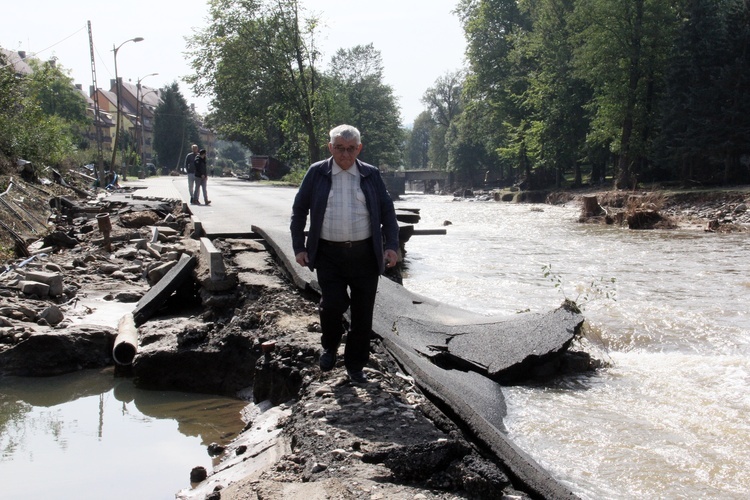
(190, 169)
(353, 237)
(201, 178)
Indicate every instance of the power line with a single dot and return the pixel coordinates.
(36, 54)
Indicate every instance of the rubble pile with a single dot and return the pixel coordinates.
(713, 211)
(42, 294)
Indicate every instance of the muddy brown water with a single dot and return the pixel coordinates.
(668, 418)
(89, 435)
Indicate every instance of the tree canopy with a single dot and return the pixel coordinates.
(260, 63)
(355, 82)
(629, 90)
(42, 115)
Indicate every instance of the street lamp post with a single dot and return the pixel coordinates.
(139, 122)
(119, 111)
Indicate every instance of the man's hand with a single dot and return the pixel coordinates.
(391, 258)
(301, 258)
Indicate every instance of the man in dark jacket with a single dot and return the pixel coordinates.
(201, 178)
(190, 170)
(353, 237)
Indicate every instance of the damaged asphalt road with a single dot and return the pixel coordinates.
(459, 357)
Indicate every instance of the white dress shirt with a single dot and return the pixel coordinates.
(346, 217)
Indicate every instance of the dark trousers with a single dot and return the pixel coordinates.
(355, 269)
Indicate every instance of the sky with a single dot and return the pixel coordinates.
(419, 40)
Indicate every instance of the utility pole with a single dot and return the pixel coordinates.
(99, 166)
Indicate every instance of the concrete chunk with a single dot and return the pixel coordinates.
(34, 288)
(198, 227)
(158, 272)
(54, 280)
(214, 259)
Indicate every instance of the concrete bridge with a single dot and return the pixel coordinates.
(427, 181)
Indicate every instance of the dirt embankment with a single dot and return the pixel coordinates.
(720, 210)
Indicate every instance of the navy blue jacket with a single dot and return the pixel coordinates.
(312, 199)
(200, 167)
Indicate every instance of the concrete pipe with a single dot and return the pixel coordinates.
(105, 226)
(126, 342)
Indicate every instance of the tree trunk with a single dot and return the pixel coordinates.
(591, 207)
(625, 178)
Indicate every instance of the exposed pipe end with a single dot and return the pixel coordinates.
(126, 342)
(124, 353)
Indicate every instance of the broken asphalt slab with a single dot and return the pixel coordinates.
(504, 349)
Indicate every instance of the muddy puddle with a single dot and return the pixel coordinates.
(93, 435)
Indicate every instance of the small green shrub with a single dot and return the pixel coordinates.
(295, 176)
(596, 289)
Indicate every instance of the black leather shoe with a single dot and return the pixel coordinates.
(357, 376)
(327, 360)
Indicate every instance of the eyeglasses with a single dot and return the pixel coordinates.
(341, 149)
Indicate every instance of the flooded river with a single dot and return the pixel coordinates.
(668, 417)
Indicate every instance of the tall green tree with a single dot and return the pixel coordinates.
(555, 98)
(175, 128)
(498, 75)
(621, 54)
(467, 154)
(259, 61)
(443, 101)
(356, 77)
(705, 115)
(418, 143)
(42, 114)
(53, 89)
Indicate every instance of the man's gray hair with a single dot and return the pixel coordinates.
(346, 132)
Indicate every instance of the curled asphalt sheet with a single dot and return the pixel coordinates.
(459, 357)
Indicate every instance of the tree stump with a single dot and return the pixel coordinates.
(591, 207)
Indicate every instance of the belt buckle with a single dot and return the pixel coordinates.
(347, 244)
